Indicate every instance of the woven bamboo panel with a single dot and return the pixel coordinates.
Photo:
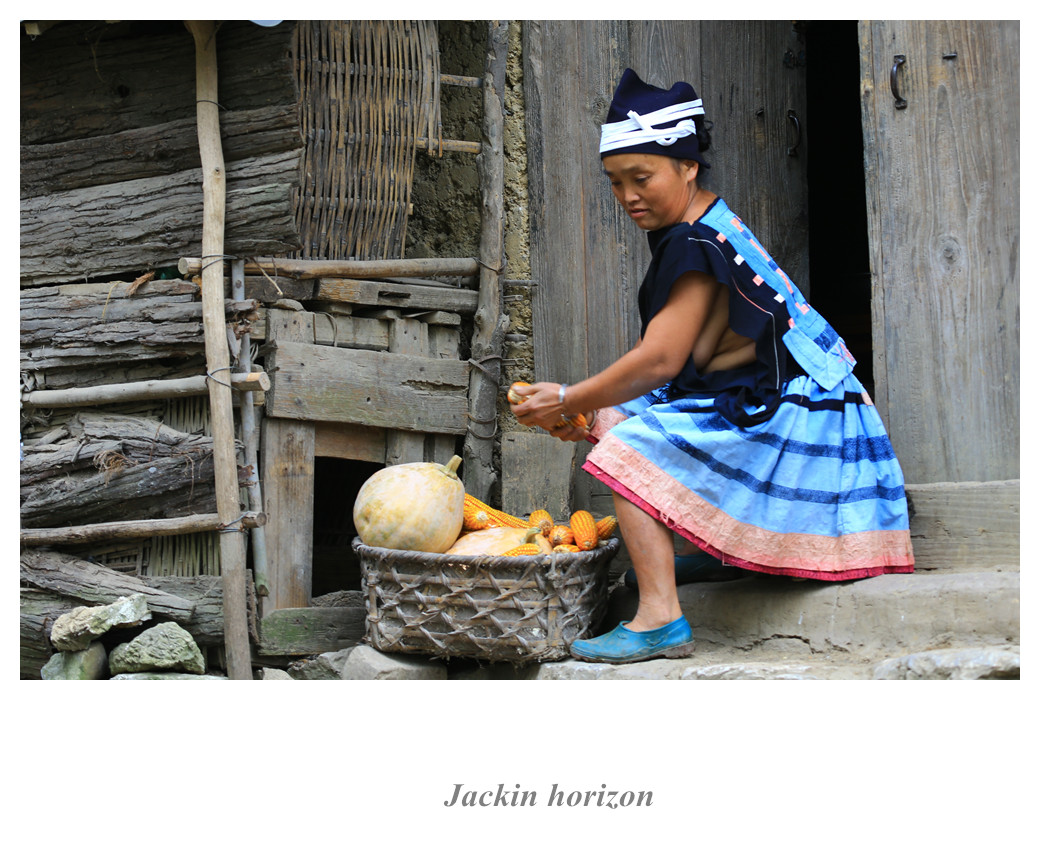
(523, 609)
(368, 91)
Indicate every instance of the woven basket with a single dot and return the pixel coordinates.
(522, 609)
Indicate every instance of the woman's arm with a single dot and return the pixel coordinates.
(658, 357)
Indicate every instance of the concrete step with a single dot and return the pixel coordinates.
(870, 619)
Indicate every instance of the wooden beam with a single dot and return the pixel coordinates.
(396, 295)
(331, 384)
(966, 525)
(489, 321)
(136, 529)
(191, 386)
(310, 631)
(232, 544)
(375, 269)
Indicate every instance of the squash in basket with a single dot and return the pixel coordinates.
(416, 506)
(498, 540)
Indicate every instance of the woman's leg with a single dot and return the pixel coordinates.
(650, 545)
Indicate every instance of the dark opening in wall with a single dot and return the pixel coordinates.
(336, 485)
(839, 257)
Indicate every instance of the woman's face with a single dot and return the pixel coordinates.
(655, 191)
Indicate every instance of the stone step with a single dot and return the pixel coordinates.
(709, 663)
(865, 620)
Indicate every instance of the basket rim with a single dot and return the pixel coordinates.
(602, 548)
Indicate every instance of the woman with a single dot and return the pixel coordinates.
(735, 421)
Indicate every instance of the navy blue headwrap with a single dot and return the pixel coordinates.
(646, 119)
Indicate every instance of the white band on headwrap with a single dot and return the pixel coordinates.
(639, 129)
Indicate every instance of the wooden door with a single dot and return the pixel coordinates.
(942, 170)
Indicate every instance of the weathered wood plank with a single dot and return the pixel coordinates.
(311, 631)
(354, 443)
(288, 487)
(943, 212)
(966, 525)
(332, 384)
(539, 468)
(407, 337)
(362, 333)
(397, 295)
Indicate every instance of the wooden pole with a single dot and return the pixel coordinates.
(136, 529)
(214, 189)
(355, 269)
(489, 321)
(250, 439)
(190, 386)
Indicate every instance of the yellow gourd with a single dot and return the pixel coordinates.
(416, 506)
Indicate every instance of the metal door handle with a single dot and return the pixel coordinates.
(793, 149)
(899, 60)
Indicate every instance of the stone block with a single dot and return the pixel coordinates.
(274, 674)
(325, 667)
(163, 648)
(990, 662)
(87, 664)
(167, 677)
(80, 626)
(365, 663)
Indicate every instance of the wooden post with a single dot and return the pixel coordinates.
(232, 544)
(250, 439)
(489, 321)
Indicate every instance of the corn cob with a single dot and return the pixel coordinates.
(578, 421)
(523, 549)
(480, 515)
(542, 520)
(566, 547)
(561, 534)
(513, 396)
(584, 527)
(475, 515)
(605, 527)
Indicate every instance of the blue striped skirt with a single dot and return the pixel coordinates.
(814, 492)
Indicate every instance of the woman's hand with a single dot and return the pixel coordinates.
(540, 406)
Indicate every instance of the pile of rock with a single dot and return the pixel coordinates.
(92, 646)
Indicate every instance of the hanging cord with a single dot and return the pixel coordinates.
(216, 258)
(494, 420)
(487, 266)
(260, 267)
(231, 527)
(335, 328)
(215, 379)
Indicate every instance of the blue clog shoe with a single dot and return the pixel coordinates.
(698, 567)
(623, 646)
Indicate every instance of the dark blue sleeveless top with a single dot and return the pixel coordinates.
(746, 395)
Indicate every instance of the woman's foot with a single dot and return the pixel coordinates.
(624, 646)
